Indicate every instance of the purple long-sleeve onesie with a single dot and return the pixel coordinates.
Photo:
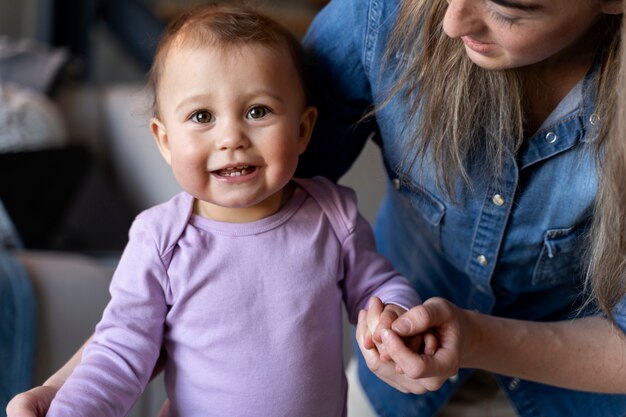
(249, 313)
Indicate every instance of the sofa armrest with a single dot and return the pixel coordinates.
(71, 292)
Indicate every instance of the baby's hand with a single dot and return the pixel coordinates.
(32, 403)
(379, 318)
(376, 318)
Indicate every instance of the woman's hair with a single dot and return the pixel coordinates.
(454, 103)
(607, 260)
(463, 112)
(224, 26)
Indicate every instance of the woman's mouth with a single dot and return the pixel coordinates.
(478, 46)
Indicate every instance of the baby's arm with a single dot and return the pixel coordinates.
(36, 401)
(369, 274)
(118, 363)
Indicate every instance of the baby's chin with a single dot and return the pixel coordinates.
(239, 208)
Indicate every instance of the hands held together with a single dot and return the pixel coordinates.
(414, 351)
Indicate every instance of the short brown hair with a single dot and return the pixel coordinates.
(225, 25)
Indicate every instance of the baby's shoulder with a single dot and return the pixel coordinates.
(165, 222)
(338, 202)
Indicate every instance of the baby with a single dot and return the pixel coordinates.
(241, 277)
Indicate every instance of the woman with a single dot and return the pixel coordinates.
(492, 116)
(484, 338)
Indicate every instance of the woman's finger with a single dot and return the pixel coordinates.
(430, 343)
(401, 354)
(432, 313)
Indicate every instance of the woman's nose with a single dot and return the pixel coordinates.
(462, 18)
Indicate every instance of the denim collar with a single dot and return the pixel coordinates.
(572, 122)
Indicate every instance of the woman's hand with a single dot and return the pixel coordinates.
(420, 351)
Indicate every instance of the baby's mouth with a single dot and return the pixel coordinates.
(235, 171)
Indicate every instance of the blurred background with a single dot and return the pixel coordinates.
(115, 39)
(77, 163)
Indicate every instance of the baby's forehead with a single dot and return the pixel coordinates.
(228, 48)
(250, 61)
(226, 52)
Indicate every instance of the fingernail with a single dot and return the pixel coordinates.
(361, 315)
(401, 326)
(370, 302)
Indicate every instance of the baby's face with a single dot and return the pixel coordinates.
(233, 122)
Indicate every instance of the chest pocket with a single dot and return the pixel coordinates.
(561, 258)
(429, 208)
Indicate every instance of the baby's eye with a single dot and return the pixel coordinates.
(202, 117)
(258, 112)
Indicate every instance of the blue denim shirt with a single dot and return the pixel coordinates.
(511, 247)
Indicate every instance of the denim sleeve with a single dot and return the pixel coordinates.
(620, 314)
(340, 88)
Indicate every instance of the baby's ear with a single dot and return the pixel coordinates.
(160, 136)
(307, 121)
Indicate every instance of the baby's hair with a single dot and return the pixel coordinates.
(225, 25)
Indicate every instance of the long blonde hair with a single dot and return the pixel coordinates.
(453, 101)
(607, 261)
(462, 110)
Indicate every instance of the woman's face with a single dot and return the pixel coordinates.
(504, 34)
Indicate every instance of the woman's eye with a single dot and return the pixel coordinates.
(202, 116)
(504, 20)
(258, 112)
(506, 16)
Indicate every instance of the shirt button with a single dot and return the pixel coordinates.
(482, 260)
(594, 119)
(396, 183)
(514, 384)
(498, 200)
(551, 137)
